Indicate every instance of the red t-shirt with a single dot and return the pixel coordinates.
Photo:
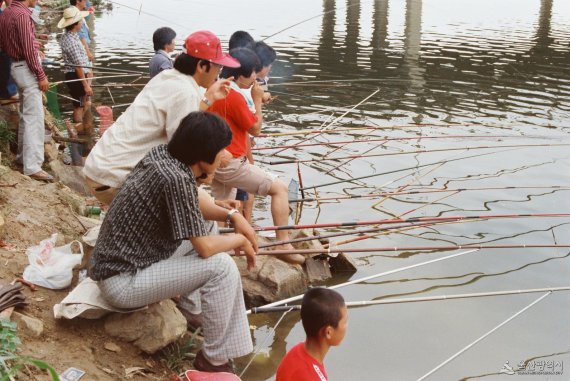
(298, 365)
(234, 110)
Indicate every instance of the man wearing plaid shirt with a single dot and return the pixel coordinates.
(77, 71)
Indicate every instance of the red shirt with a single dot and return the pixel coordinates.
(298, 365)
(17, 37)
(234, 110)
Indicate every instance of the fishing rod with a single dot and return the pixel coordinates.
(309, 19)
(352, 232)
(331, 124)
(415, 152)
(378, 275)
(140, 11)
(95, 68)
(330, 250)
(356, 128)
(297, 307)
(482, 337)
(401, 170)
(92, 78)
(353, 141)
(400, 220)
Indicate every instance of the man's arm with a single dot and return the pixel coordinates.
(207, 246)
(213, 212)
(257, 96)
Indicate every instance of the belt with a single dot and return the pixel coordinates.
(17, 59)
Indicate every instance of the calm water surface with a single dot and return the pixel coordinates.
(492, 68)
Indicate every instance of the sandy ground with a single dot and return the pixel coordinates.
(33, 211)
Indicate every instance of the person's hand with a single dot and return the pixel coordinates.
(243, 227)
(90, 55)
(249, 251)
(257, 92)
(228, 204)
(219, 89)
(226, 158)
(88, 90)
(44, 85)
(266, 99)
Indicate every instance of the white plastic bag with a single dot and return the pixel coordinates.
(51, 266)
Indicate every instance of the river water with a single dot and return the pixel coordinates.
(496, 73)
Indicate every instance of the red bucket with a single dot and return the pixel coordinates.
(105, 118)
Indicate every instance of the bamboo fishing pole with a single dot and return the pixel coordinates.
(400, 220)
(329, 250)
(96, 68)
(352, 232)
(482, 337)
(331, 124)
(398, 193)
(320, 159)
(92, 78)
(378, 275)
(364, 303)
(402, 169)
(355, 141)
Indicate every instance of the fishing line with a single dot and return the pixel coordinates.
(264, 342)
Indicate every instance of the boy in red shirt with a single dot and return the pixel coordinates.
(325, 319)
(239, 173)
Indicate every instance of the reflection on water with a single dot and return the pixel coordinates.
(443, 68)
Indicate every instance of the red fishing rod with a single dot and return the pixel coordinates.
(401, 248)
(400, 221)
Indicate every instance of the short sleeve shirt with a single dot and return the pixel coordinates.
(298, 365)
(239, 117)
(155, 209)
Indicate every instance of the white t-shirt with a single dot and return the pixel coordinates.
(150, 120)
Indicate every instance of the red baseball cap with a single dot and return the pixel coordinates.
(207, 46)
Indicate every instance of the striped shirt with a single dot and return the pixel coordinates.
(17, 37)
(156, 208)
(73, 52)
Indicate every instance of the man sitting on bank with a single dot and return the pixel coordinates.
(156, 208)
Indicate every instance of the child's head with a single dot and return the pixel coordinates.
(324, 315)
(267, 56)
(241, 39)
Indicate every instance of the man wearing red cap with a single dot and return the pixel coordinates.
(156, 112)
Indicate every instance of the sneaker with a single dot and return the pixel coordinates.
(202, 364)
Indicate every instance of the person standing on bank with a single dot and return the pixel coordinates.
(17, 40)
(83, 32)
(77, 72)
(163, 41)
(133, 273)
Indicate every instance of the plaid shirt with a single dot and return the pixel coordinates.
(73, 52)
(156, 208)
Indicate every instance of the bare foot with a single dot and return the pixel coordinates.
(294, 259)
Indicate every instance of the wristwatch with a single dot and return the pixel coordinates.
(206, 101)
(229, 217)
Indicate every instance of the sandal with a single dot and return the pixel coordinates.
(42, 176)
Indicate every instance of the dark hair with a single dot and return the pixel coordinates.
(265, 53)
(69, 27)
(72, 2)
(321, 307)
(200, 136)
(248, 63)
(162, 36)
(241, 39)
(187, 64)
